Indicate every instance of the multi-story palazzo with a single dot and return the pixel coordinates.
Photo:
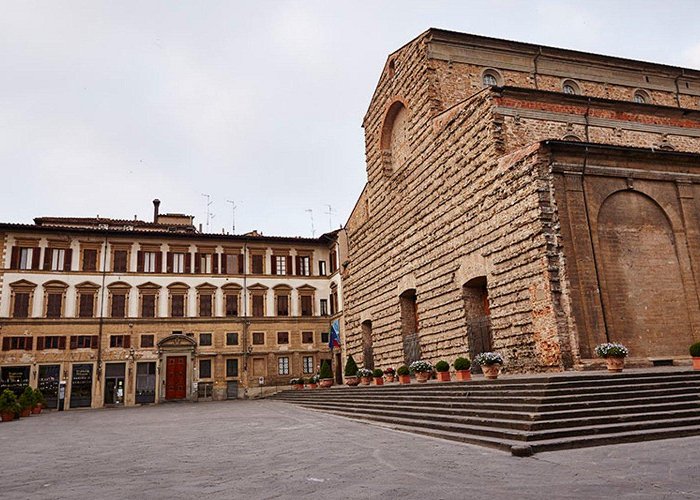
(531, 200)
(129, 312)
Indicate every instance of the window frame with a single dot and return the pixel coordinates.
(282, 365)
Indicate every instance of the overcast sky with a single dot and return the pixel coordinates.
(107, 105)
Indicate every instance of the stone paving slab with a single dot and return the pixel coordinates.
(269, 449)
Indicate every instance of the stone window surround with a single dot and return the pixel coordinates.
(22, 286)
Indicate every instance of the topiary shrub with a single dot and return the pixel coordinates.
(462, 364)
(39, 397)
(325, 371)
(378, 372)
(350, 367)
(695, 350)
(442, 366)
(403, 370)
(8, 402)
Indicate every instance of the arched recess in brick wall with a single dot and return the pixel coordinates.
(645, 304)
(394, 141)
(409, 325)
(367, 349)
(477, 312)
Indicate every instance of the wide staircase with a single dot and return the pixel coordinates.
(526, 415)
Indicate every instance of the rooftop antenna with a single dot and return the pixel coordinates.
(209, 215)
(311, 214)
(233, 216)
(330, 213)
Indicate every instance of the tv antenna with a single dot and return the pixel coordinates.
(233, 216)
(209, 214)
(330, 213)
(311, 214)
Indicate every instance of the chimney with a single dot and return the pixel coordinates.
(156, 207)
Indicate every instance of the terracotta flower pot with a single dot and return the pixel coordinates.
(491, 371)
(404, 379)
(326, 382)
(463, 375)
(352, 381)
(379, 380)
(444, 376)
(25, 412)
(696, 363)
(422, 377)
(615, 363)
(389, 378)
(312, 386)
(365, 380)
(36, 410)
(7, 416)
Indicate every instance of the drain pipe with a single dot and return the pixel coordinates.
(536, 71)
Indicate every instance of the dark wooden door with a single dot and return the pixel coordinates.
(176, 377)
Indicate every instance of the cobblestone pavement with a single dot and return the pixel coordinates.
(267, 449)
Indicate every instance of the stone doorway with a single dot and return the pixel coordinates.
(367, 350)
(114, 384)
(176, 377)
(409, 326)
(477, 314)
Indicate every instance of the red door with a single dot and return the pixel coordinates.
(176, 377)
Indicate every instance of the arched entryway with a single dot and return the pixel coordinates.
(645, 304)
(477, 311)
(409, 326)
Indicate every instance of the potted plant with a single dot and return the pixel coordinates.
(326, 375)
(39, 401)
(389, 374)
(26, 402)
(490, 363)
(365, 375)
(443, 371)
(404, 374)
(313, 382)
(8, 405)
(422, 370)
(614, 355)
(297, 383)
(378, 374)
(462, 366)
(695, 353)
(351, 372)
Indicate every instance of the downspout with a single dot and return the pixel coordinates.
(534, 62)
(102, 315)
(678, 89)
(585, 117)
(590, 236)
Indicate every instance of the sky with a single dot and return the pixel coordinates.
(106, 105)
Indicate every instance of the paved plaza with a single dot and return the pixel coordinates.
(268, 449)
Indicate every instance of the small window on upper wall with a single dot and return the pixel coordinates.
(491, 77)
(570, 87)
(641, 97)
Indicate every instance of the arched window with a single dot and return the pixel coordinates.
(571, 138)
(491, 77)
(641, 97)
(570, 87)
(394, 140)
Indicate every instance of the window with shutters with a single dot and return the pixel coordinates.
(257, 263)
(308, 364)
(258, 338)
(282, 304)
(204, 263)
(280, 264)
(178, 262)
(177, 305)
(324, 307)
(89, 261)
(149, 262)
(148, 305)
(58, 256)
(147, 340)
(20, 307)
(119, 261)
(283, 338)
(231, 304)
(120, 341)
(54, 304)
(205, 368)
(26, 256)
(322, 267)
(51, 342)
(307, 337)
(333, 264)
(86, 305)
(306, 305)
(118, 305)
(232, 263)
(258, 305)
(17, 343)
(205, 305)
(283, 365)
(232, 338)
(232, 367)
(83, 341)
(205, 339)
(303, 265)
